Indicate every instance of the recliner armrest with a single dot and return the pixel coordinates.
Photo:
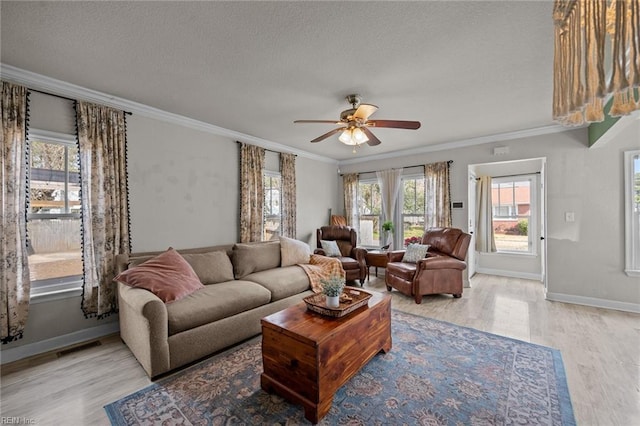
(441, 262)
(360, 254)
(396, 255)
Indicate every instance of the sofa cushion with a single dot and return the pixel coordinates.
(211, 267)
(293, 251)
(255, 257)
(168, 275)
(215, 302)
(282, 282)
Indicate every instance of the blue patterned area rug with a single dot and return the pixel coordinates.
(436, 374)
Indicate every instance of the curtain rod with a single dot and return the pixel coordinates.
(405, 167)
(64, 97)
(521, 174)
(270, 150)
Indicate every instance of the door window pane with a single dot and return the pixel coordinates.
(511, 204)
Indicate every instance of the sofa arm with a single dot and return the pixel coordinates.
(441, 262)
(144, 328)
(396, 255)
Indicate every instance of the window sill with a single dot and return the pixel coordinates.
(50, 296)
(632, 272)
(510, 253)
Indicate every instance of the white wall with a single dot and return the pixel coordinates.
(183, 187)
(586, 257)
(317, 192)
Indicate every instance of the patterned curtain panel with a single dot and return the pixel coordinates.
(596, 56)
(288, 208)
(485, 239)
(14, 271)
(350, 184)
(437, 195)
(251, 192)
(104, 200)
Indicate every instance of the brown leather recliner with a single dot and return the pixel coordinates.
(439, 272)
(353, 259)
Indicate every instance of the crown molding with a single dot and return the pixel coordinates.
(556, 128)
(58, 87)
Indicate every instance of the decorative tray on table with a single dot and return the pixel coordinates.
(350, 300)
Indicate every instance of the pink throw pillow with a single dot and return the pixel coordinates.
(167, 275)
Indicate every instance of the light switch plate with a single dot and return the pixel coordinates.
(569, 216)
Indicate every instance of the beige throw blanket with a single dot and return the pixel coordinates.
(320, 268)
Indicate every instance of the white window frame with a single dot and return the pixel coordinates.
(532, 228)
(62, 287)
(632, 219)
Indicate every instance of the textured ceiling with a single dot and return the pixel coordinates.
(465, 69)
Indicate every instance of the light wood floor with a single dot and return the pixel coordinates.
(600, 349)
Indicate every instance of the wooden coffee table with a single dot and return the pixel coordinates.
(307, 357)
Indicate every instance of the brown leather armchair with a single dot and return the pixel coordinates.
(353, 259)
(439, 272)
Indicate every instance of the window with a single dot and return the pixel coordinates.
(512, 199)
(369, 213)
(272, 199)
(632, 212)
(53, 218)
(413, 209)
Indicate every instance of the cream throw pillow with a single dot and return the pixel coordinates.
(415, 252)
(330, 248)
(293, 252)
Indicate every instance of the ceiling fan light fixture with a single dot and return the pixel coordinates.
(353, 136)
(359, 136)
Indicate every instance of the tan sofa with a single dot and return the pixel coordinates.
(242, 284)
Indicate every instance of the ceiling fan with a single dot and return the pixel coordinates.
(354, 124)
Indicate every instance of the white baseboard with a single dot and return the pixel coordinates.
(594, 302)
(36, 348)
(510, 274)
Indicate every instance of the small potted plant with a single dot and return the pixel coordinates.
(387, 228)
(332, 289)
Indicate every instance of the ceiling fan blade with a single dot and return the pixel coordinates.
(373, 140)
(364, 111)
(318, 121)
(395, 124)
(326, 135)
